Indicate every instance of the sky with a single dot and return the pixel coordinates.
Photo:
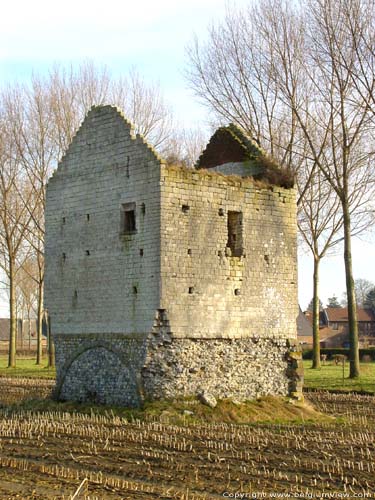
(151, 36)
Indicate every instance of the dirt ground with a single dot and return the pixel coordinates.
(46, 455)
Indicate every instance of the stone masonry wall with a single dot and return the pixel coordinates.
(206, 291)
(125, 371)
(164, 308)
(227, 368)
(100, 369)
(99, 281)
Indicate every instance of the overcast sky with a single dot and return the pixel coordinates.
(152, 36)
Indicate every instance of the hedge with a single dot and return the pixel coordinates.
(331, 351)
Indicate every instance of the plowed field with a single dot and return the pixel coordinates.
(48, 454)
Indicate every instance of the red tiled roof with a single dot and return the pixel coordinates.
(341, 314)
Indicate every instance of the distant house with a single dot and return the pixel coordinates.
(4, 329)
(304, 330)
(334, 328)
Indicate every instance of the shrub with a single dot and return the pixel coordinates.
(330, 352)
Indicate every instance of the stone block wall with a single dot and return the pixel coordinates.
(99, 280)
(206, 290)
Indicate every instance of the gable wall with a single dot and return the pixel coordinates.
(105, 167)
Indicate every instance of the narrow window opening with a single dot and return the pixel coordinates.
(128, 224)
(64, 257)
(87, 252)
(191, 290)
(75, 298)
(235, 233)
(221, 212)
(237, 291)
(141, 252)
(63, 220)
(267, 258)
(87, 217)
(143, 208)
(185, 208)
(161, 316)
(189, 251)
(135, 290)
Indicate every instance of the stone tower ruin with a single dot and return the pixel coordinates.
(166, 281)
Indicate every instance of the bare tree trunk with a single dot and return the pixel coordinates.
(350, 291)
(22, 331)
(39, 352)
(316, 311)
(29, 329)
(13, 319)
(51, 345)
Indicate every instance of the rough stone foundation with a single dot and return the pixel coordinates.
(125, 371)
(238, 368)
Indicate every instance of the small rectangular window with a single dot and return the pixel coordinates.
(235, 240)
(128, 221)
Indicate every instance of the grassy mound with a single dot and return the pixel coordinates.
(268, 409)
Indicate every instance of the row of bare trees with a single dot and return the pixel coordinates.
(300, 78)
(37, 123)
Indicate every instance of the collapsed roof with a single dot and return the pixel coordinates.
(232, 147)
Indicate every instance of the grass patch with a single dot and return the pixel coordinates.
(26, 367)
(330, 377)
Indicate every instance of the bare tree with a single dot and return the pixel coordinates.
(144, 106)
(27, 295)
(184, 146)
(362, 288)
(343, 148)
(319, 222)
(42, 118)
(359, 21)
(232, 75)
(73, 91)
(37, 156)
(14, 214)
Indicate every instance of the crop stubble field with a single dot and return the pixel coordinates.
(47, 455)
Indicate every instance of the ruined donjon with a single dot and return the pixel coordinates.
(166, 281)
